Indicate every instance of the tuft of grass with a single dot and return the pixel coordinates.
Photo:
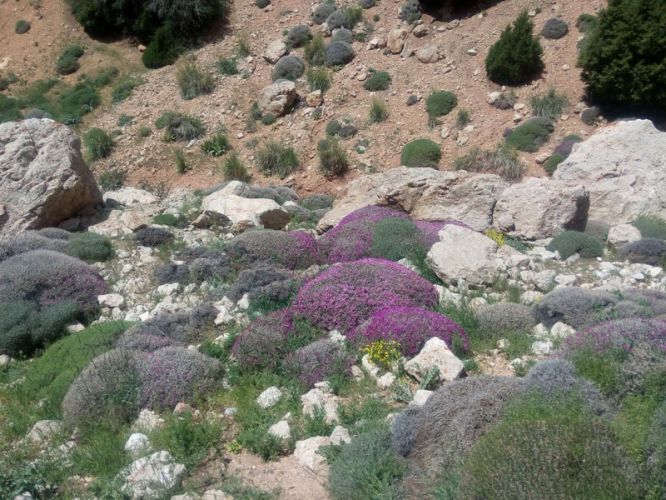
(189, 440)
(227, 66)
(181, 164)
(112, 179)
(463, 119)
(125, 120)
(550, 105)
(378, 111)
(98, 144)
(274, 158)
(651, 226)
(193, 81)
(318, 79)
(124, 87)
(502, 161)
(315, 51)
(333, 160)
(145, 131)
(234, 169)
(216, 145)
(68, 60)
(243, 47)
(179, 126)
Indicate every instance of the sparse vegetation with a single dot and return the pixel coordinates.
(227, 66)
(502, 161)
(274, 158)
(181, 163)
(333, 160)
(179, 126)
(68, 60)
(550, 105)
(124, 87)
(378, 111)
(233, 169)
(193, 81)
(318, 79)
(463, 119)
(98, 144)
(315, 51)
(379, 80)
(217, 145)
(112, 179)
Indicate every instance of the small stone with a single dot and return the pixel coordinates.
(216, 495)
(386, 380)
(147, 421)
(435, 354)
(269, 397)
(137, 444)
(444, 132)
(420, 30)
(152, 476)
(340, 435)
(542, 347)
(472, 52)
(44, 430)
(111, 300)
(561, 330)
(421, 397)
(280, 430)
(306, 452)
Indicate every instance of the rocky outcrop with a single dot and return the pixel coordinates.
(540, 208)
(278, 98)
(43, 178)
(424, 193)
(624, 170)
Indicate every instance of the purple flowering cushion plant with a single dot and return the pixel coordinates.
(261, 345)
(345, 295)
(411, 327)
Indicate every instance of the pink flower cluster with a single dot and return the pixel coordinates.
(411, 327)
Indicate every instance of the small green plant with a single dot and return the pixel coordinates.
(179, 126)
(171, 220)
(124, 87)
(383, 353)
(378, 111)
(234, 169)
(98, 144)
(379, 80)
(227, 66)
(216, 145)
(181, 164)
(550, 165)
(651, 226)
(68, 60)
(439, 103)
(243, 47)
(125, 120)
(318, 79)
(502, 161)
(354, 14)
(463, 119)
(315, 51)
(188, 439)
(194, 82)
(268, 119)
(516, 57)
(274, 158)
(421, 153)
(549, 105)
(531, 135)
(495, 235)
(145, 131)
(262, 4)
(112, 179)
(569, 243)
(22, 26)
(333, 127)
(333, 160)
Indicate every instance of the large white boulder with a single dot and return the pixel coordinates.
(278, 98)
(306, 452)
(260, 212)
(435, 354)
(624, 169)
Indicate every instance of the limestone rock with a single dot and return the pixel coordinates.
(539, 208)
(152, 476)
(428, 54)
(435, 354)
(43, 430)
(43, 178)
(421, 397)
(315, 400)
(129, 196)
(340, 435)
(425, 193)
(622, 234)
(277, 98)
(269, 397)
(275, 50)
(623, 168)
(306, 453)
(260, 212)
(137, 444)
(280, 430)
(396, 40)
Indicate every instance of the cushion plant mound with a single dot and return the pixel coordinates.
(411, 327)
(352, 238)
(345, 295)
(261, 344)
(292, 250)
(318, 361)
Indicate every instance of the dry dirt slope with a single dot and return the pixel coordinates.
(150, 161)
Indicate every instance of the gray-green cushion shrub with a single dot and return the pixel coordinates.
(505, 317)
(410, 11)
(317, 201)
(321, 12)
(646, 251)
(298, 36)
(333, 160)
(318, 361)
(288, 68)
(264, 282)
(379, 80)
(338, 19)
(289, 249)
(569, 243)
(179, 126)
(440, 103)
(22, 26)
(421, 153)
(342, 35)
(651, 226)
(554, 29)
(153, 236)
(531, 135)
(262, 4)
(338, 54)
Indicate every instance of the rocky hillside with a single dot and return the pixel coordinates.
(324, 256)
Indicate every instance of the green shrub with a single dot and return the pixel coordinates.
(315, 51)
(587, 23)
(125, 120)
(163, 50)
(569, 243)
(550, 105)
(187, 439)
(171, 220)
(179, 126)
(194, 82)
(227, 66)
(651, 226)
(181, 163)
(421, 153)
(298, 36)
(550, 165)
(379, 80)
(531, 135)
(262, 4)
(275, 159)
(623, 61)
(318, 79)
(554, 29)
(145, 131)
(463, 119)
(333, 127)
(216, 145)
(395, 239)
(502, 161)
(366, 468)
(378, 111)
(98, 144)
(124, 87)
(234, 169)
(90, 247)
(6, 81)
(22, 26)
(74, 102)
(268, 119)
(333, 160)
(112, 179)
(439, 103)
(516, 57)
(68, 60)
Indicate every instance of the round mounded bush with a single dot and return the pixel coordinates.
(90, 247)
(351, 239)
(342, 35)
(440, 103)
(554, 29)
(550, 165)
(298, 36)
(436, 438)
(505, 317)
(318, 361)
(338, 54)
(395, 239)
(264, 282)
(411, 327)
(410, 11)
(338, 19)
(569, 243)
(531, 135)
(288, 68)
(153, 236)
(321, 12)
(421, 153)
(379, 80)
(646, 251)
(290, 249)
(345, 295)
(261, 344)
